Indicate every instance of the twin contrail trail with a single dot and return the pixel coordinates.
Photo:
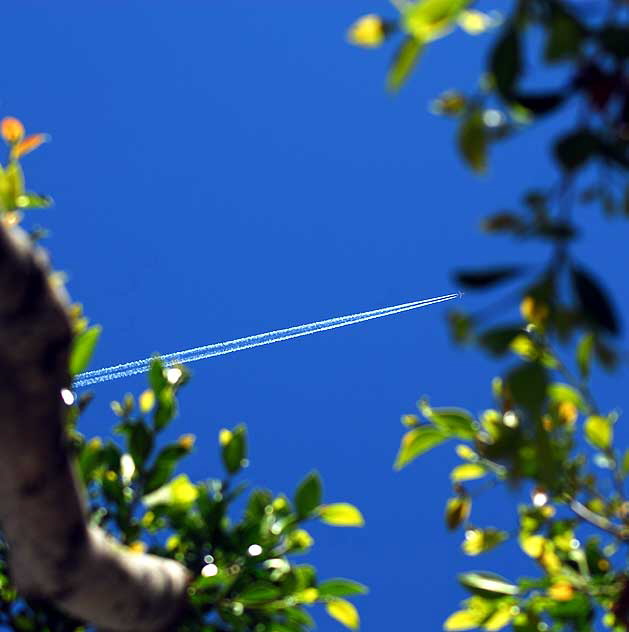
(220, 348)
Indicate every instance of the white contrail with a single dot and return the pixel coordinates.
(219, 348)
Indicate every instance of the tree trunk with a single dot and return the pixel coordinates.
(53, 553)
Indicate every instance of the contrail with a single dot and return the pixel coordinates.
(220, 348)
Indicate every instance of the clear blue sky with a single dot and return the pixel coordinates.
(225, 168)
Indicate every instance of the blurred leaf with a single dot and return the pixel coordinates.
(140, 441)
(30, 143)
(29, 200)
(180, 492)
(574, 149)
(598, 431)
(505, 61)
(488, 585)
(594, 302)
(463, 620)
(417, 441)
(308, 495)
(482, 540)
(559, 392)
(480, 279)
(565, 36)
(234, 451)
(457, 511)
(615, 39)
(403, 62)
(339, 587)
(504, 222)
(259, 592)
(528, 385)
(341, 515)
(498, 340)
(451, 422)
(430, 19)
(83, 346)
(467, 472)
(164, 466)
(472, 141)
(540, 104)
(344, 612)
(460, 326)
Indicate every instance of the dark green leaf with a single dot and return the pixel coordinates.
(615, 39)
(234, 451)
(166, 407)
(575, 149)
(565, 36)
(403, 62)
(339, 587)
(595, 304)
(528, 385)
(140, 440)
(308, 495)
(540, 104)
(584, 354)
(479, 279)
(82, 349)
(505, 61)
(472, 141)
(497, 341)
(164, 466)
(259, 592)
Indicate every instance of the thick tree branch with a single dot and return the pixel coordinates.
(54, 554)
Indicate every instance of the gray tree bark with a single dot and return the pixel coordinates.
(54, 554)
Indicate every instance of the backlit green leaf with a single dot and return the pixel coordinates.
(403, 62)
(344, 612)
(598, 431)
(82, 349)
(341, 515)
(417, 441)
(467, 472)
(487, 585)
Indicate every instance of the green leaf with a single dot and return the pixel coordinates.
(594, 302)
(528, 386)
(497, 341)
(505, 61)
(467, 472)
(598, 431)
(166, 408)
(430, 19)
(403, 62)
(30, 200)
(180, 493)
(341, 515)
(164, 466)
(488, 585)
(417, 441)
(140, 441)
(457, 511)
(463, 620)
(615, 39)
(234, 450)
(559, 392)
(344, 612)
(339, 587)
(308, 495)
(575, 149)
(539, 104)
(82, 349)
(451, 422)
(259, 592)
(481, 279)
(565, 36)
(472, 141)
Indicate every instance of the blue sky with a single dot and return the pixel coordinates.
(222, 169)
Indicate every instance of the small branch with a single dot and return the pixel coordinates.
(53, 553)
(598, 521)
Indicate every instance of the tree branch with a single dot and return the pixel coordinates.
(54, 554)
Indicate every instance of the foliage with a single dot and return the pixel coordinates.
(240, 550)
(544, 433)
